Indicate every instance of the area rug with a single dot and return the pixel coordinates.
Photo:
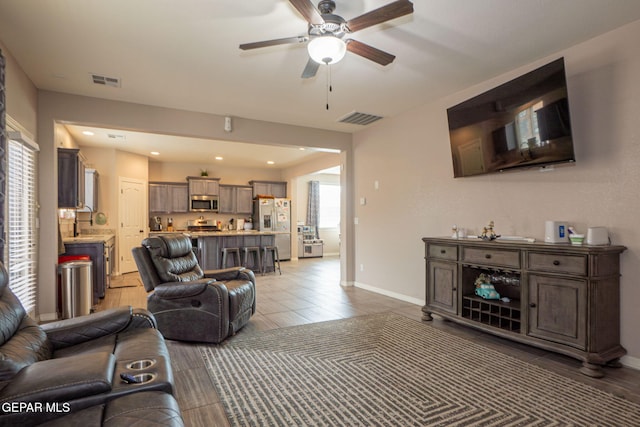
(388, 370)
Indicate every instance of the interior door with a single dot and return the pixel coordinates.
(132, 221)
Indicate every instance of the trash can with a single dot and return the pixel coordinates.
(77, 288)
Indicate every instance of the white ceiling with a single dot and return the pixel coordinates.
(184, 54)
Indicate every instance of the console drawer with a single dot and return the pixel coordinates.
(497, 257)
(556, 263)
(448, 252)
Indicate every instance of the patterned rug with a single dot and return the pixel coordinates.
(387, 370)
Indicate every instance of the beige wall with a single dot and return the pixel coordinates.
(21, 95)
(409, 156)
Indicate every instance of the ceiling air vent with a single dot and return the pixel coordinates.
(116, 136)
(359, 118)
(104, 80)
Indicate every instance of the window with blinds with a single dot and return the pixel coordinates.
(21, 253)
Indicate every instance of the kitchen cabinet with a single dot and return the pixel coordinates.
(236, 199)
(269, 188)
(96, 251)
(203, 186)
(558, 297)
(70, 178)
(168, 197)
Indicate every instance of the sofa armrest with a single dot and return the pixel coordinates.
(74, 331)
(62, 380)
(178, 290)
(233, 273)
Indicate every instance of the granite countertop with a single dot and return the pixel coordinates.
(88, 238)
(231, 233)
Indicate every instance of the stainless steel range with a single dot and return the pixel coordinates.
(202, 224)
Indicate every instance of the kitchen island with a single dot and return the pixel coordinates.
(208, 246)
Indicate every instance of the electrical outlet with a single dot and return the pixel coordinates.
(361, 267)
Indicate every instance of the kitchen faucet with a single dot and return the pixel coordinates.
(76, 220)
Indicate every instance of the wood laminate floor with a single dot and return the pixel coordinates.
(309, 291)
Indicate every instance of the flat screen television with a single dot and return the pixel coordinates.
(522, 123)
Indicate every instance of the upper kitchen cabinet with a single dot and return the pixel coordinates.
(203, 186)
(269, 188)
(70, 178)
(236, 199)
(168, 197)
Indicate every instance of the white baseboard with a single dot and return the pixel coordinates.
(391, 294)
(630, 362)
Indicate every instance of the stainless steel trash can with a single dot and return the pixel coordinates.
(77, 288)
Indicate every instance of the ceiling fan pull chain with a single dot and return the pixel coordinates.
(329, 85)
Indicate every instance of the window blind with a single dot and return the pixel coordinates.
(22, 245)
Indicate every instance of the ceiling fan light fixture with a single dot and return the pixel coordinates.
(327, 49)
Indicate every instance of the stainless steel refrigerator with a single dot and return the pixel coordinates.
(275, 215)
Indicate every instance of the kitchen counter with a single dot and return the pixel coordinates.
(89, 238)
(231, 233)
(218, 233)
(209, 245)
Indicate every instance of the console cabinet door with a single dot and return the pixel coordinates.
(442, 290)
(558, 310)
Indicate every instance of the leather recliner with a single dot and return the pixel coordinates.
(188, 303)
(63, 368)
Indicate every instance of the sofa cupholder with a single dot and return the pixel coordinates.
(144, 378)
(141, 364)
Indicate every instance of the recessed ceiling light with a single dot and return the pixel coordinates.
(155, 153)
(88, 133)
(218, 158)
(271, 162)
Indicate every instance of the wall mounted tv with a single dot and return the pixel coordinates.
(522, 123)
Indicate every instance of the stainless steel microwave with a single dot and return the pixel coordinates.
(203, 203)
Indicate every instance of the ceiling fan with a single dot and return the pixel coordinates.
(327, 31)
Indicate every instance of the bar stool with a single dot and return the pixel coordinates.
(255, 254)
(274, 258)
(236, 257)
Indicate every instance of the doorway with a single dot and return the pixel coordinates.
(132, 214)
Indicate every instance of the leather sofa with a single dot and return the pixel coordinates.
(188, 303)
(71, 369)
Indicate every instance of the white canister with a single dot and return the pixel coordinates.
(556, 232)
(597, 236)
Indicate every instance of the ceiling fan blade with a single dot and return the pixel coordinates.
(310, 69)
(308, 10)
(382, 14)
(369, 52)
(274, 42)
